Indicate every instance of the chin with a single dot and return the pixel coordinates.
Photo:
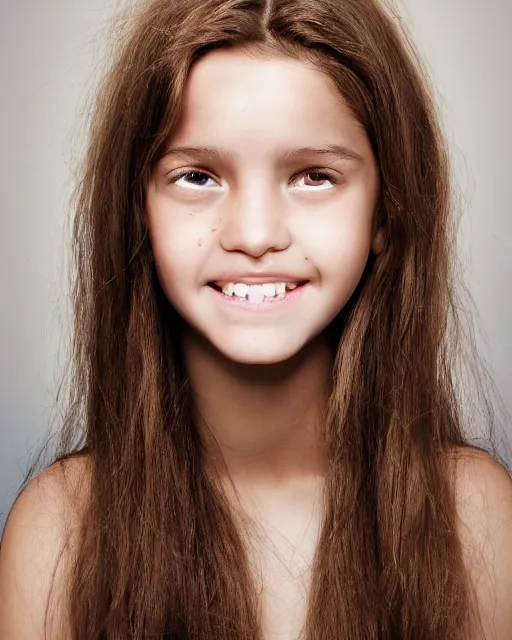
(259, 353)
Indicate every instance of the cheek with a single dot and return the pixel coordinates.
(178, 249)
(339, 245)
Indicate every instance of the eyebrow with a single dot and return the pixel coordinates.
(340, 151)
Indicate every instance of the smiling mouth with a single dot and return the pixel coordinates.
(257, 292)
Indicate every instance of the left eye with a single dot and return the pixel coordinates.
(197, 177)
(319, 177)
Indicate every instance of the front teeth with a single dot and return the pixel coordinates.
(268, 290)
(240, 290)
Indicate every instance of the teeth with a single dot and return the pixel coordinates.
(240, 290)
(269, 289)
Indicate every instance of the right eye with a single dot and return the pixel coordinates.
(196, 176)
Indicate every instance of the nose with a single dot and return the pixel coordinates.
(255, 223)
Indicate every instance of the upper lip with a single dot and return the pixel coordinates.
(257, 278)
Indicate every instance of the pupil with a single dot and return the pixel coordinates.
(193, 176)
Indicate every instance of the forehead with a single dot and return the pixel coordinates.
(239, 101)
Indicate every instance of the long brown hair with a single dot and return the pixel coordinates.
(160, 551)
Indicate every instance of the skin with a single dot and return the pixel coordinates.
(259, 378)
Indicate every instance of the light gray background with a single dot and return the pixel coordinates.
(49, 50)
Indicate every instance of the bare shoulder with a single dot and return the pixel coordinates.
(36, 548)
(484, 501)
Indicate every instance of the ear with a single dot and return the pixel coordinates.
(378, 241)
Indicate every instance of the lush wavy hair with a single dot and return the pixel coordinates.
(161, 552)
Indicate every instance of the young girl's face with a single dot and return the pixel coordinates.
(258, 210)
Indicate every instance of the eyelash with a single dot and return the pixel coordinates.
(174, 178)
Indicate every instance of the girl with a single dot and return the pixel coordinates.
(264, 438)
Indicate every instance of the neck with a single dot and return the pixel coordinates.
(263, 419)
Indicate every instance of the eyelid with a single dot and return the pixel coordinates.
(180, 173)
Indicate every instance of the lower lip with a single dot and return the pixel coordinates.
(266, 306)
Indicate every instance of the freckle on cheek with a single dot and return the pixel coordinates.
(214, 230)
(200, 242)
